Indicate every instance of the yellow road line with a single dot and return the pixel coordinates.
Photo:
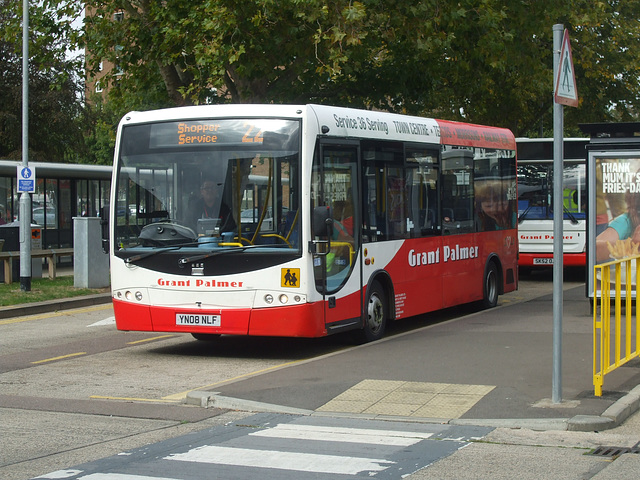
(131, 399)
(55, 314)
(53, 359)
(181, 395)
(149, 339)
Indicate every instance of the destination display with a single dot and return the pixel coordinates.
(189, 133)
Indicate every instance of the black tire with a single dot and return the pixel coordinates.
(205, 337)
(376, 314)
(490, 286)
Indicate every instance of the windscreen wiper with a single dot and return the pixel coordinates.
(570, 215)
(524, 214)
(222, 251)
(137, 258)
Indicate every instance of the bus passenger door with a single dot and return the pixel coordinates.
(336, 267)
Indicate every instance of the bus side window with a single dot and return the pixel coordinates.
(457, 191)
(423, 199)
(496, 206)
(385, 191)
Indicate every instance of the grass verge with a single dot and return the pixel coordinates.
(43, 289)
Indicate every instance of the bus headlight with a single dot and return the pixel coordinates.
(276, 299)
(129, 295)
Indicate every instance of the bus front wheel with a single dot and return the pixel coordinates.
(490, 286)
(376, 314)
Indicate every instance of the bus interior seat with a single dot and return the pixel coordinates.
(429, 224)
(461, 214)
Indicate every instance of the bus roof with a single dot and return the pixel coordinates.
(346, 122)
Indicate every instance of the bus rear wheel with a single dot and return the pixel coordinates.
(376, 314)
(490, 286)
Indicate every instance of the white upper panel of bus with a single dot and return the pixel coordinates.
(344, 122)
(349, 122)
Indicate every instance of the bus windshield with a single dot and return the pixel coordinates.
(535, 192)
(207, 184)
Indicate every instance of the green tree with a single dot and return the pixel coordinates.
(483, 61)
(55, 107)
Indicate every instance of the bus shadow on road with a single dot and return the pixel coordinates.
(295, 349)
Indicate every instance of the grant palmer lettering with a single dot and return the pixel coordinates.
(199, 283)
(449, 254)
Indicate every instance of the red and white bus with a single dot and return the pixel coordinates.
(316, 219)
(535, 202)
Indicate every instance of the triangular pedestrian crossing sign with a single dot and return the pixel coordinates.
(565, 91)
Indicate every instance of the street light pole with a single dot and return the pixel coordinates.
(25, 198)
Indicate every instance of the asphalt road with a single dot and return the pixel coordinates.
(74, 390)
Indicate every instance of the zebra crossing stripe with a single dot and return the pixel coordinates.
(302, 462)
(340, 434)
(107, 476)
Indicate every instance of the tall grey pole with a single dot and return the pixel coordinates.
(558, 215)
(25, 198)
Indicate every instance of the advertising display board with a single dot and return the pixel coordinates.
(613, 172)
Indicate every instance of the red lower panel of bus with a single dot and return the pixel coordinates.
(130, 316)
(546, 259)
(292, 321)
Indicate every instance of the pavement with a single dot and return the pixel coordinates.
(450, 395)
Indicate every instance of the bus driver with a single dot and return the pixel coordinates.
(211, 205)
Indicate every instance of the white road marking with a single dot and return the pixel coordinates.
(121, 476)
(106, 321)
(60, 474)
(302, 462)
(340, 434)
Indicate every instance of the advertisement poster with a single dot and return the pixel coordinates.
(615, 217)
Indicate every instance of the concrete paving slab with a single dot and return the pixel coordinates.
(395, 398)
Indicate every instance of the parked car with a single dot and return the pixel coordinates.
(38, 216)
(252, 215)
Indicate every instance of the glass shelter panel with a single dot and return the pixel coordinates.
(5, 201)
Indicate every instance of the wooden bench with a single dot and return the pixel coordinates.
(51, 254)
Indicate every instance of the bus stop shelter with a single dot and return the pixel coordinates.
(613, 175)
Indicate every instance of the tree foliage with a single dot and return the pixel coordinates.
(55, 107)
(483, 61)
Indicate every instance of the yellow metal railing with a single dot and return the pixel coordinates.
(611, 332)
